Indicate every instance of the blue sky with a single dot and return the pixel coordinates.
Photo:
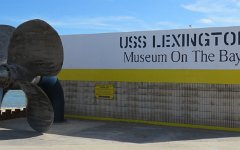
(100, 16)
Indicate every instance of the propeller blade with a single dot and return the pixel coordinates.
(36, 46)
(40, 113)
(5, 35)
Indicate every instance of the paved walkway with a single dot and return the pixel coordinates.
(99, 135)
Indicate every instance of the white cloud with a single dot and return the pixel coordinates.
(104, 24)
(216, 12)
(115, 23)
(227, 20)
(211, 6)
(206, 21)
(170, 25)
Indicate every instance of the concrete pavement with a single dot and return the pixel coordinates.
(101, 135)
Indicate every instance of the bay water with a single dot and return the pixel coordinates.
(14, 99)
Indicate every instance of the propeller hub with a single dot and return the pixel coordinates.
(5, 79)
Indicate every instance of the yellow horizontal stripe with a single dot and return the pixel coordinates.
(153, 75)
(153, 123)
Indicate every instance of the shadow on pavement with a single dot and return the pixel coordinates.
(16, 129)
(133, 133)
(112, 131)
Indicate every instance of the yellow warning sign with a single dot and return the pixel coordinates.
(106, 91)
